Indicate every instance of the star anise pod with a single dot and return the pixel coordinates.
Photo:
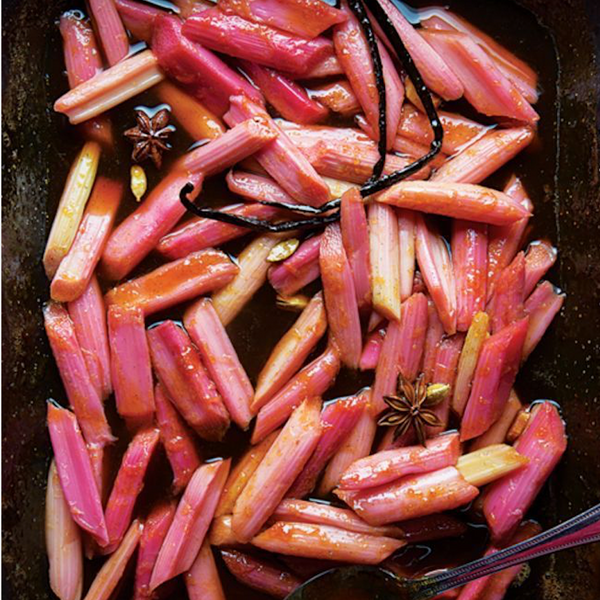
(150, 135)
(411, 407)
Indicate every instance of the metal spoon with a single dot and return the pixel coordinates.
(369, 583)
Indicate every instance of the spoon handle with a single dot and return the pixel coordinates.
(581, 529)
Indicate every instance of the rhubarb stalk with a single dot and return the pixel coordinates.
(469, 260)
(128, 485)
(83, 395)
(278, 470)
(190, 524)
(402, 350)
(312, 381)
(63, 542)
(198, 273)
(77, 266)
(457, 200)
(179, 368)
(139, 233)
(291, 351)
(176, 439)
(436, 268)
(88, 315)
(337, 421)
(71, 206)
(108, 89)
(543, 442)
(75, 472)
(112, 570)
(130, 364)
(340, 297)
(221, 360)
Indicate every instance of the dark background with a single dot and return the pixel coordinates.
(566, 191)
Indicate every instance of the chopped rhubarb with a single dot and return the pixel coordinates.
(200, 72)
(138, 18)
(539, 258)
(112, 570)
(340, 297)
(458, 130)
(277, 471)
(260, 574)
(288, 98)
(494, 376)
(176, 439)
(469, 261)
(357, 445)
(83, 395)
(485, 87)
(253, 266)
(139, 233)
(75, 472)
(88, 315)
(298, 270)
(190, 523)
(385, 260)
(240, 475)
(542, 306)
(354, 55)
(457, 200)
(108, 89)
(355, 236)
(522, 75)
(128, 485)
(202, 580)
(383, 467)
(155, 529)
(337, 97)
(71, 206)
(436, 268)
(411, 497)
(319, 513)
(291, 351)
(433, 337)
(337, 421)
(498, 432)
(437, 76)
(281, 158)
(304, 18)
(476, 336)
(77, 267)
(110, 29)
(484, 156)
(200, 233)
(130, 364)
(233, 35)
(372, 350)
(312, 381)
(179, 368)
(543, 442)
(506, 305)
(198, 273)
(221, 360)
(402, 350)
(504, 240)
(326, 542)
(63, 542)
(241, 141)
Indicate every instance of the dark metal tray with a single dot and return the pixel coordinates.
(565, 367)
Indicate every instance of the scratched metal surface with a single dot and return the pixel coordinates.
(566, 367)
